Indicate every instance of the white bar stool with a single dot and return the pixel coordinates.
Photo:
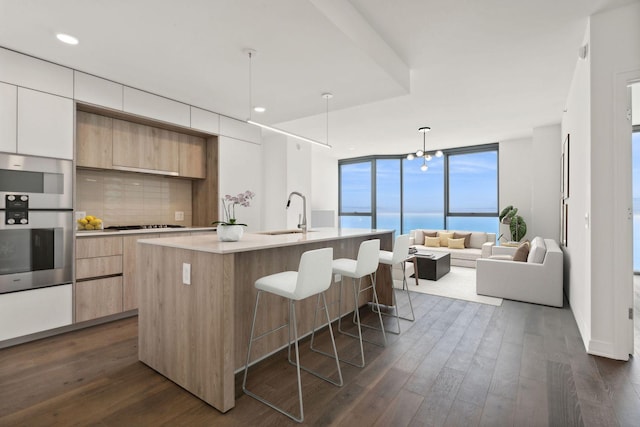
(365, 265)
(312, 278)
(399, 256)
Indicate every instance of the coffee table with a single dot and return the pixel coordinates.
(431, 265)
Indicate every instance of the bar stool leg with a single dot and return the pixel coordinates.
(340, 382)
(292, 318)
(405, 287)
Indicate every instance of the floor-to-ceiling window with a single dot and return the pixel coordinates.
(458, 191)
(472, 194)
(635, 155)
(388, 195)
(423, 194)
(355, 194)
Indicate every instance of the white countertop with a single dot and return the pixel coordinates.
(104, 233)
(255, 241)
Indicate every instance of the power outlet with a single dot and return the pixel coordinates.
(179, 216)
(337, 278)
(186, 273)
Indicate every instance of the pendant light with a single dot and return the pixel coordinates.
(251, 53)
(423, 152)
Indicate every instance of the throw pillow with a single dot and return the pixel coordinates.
(465, 236)
(537, 251)
(522, 252)
(428, 234)
(432, 242)
(444, 238)
(456, 243)
(477, 239)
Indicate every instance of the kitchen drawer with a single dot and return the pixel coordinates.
(90, 247)
(98, 266)
(98, 298)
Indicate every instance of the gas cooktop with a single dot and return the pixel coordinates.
(141, 227)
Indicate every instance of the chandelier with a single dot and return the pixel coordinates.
(423, 153)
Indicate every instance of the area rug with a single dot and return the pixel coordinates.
(459, 283)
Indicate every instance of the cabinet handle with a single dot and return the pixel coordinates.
(143, 170)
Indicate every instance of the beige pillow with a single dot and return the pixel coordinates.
(432, 242)
(456, 243)
(444, 238)
(522, 252)
(465, 236)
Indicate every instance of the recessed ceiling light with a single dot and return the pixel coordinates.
(66, 38)
(259, 109)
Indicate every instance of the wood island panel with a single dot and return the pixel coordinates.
(197, 334)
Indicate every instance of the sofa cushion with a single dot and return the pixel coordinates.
(456, 243)
(468, 254)
(465, 236)
(444, 238)
(477, 239)
(522, 253)
(502, 257)
(537, 251)
(431, 242)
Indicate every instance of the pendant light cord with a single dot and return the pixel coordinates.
(250, 94)
(327, 120)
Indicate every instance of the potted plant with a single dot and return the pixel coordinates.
(230, 230)
(517, 226)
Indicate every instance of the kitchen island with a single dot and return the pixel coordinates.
(197, 295)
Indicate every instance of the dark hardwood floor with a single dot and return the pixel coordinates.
(459, 364)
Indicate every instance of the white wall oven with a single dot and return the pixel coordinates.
(36, 222)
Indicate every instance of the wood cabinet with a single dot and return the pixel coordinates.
(98, 288)
(45, 124)
(110, 143)
(8, 117)
(129, 286)
(94, 140)
(193, 156)
(145, 148)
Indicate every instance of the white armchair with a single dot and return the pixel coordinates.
(531, 281)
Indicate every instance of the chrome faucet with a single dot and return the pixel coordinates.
(303, 222)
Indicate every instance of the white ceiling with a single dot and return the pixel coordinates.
(475, 71)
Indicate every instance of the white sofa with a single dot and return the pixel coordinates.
(479, 247)
(538, 280)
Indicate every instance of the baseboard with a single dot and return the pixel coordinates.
(64, 329)
(604, 349)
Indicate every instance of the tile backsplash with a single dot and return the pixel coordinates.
(125, 198)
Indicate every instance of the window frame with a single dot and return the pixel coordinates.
(447, 212)
(470, 150)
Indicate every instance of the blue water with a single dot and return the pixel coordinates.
(434, 221)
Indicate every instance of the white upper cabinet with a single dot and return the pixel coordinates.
(240, 130)
(45, 124)
(205, 120)
(156, 107)
(26, 71)
(94, 90)
(8, 117)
